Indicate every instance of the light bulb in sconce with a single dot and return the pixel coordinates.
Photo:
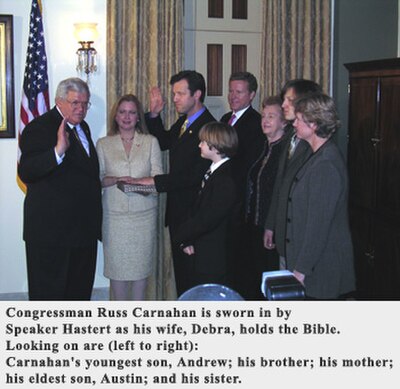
(86, 34)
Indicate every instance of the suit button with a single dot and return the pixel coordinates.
(289, 220)
(287, 240)
(289, 199)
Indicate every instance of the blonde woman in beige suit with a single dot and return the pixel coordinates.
(129, 220)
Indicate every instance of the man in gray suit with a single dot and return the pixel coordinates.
(293, 157)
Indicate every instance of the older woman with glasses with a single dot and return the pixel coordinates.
(318, 242)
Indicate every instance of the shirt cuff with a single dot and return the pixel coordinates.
(59, 158)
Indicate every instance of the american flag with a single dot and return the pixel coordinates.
(35, 93)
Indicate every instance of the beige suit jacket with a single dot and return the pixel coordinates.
(144, 160)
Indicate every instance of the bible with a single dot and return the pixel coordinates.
(134, 188)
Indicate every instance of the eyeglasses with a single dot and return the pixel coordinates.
(76, 104)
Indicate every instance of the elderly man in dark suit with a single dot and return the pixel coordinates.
(62, 211)
(186, 167)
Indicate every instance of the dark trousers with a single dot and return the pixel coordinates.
(183, 268)
(236, 250)
(256, 260)
(186, 276)
(60, 273)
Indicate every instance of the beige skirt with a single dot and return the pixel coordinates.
(130, 245)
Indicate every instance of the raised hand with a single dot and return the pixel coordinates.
(62, 139)
(157, 101)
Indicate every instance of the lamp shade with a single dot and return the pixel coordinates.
(86, 32)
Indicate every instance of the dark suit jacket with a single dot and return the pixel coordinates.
(287, 170)
(318, 235)
(186, 167)
(251, 142)
(208, 226)
(63, 202)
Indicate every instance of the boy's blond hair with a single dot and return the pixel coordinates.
(221, 136)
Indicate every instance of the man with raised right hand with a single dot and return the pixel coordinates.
(62, 210)
(186, 167)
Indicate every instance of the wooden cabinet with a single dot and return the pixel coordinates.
(374, 174)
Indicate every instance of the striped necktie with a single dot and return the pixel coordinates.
(205, 178)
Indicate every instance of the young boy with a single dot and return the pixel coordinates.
(204, 237)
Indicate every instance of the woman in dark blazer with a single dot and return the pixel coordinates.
(318, 243)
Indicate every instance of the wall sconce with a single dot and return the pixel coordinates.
(86, 34)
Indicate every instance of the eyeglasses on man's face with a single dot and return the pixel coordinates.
(75, 104)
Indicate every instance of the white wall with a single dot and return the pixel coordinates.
(59, 17)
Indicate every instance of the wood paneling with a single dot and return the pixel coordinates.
(216, 8)
(239, 58)
(239, 9)
(361, 150)
(214, 70)
(374, 165)
(389, 149)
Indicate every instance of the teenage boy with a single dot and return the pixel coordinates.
(205, 235)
